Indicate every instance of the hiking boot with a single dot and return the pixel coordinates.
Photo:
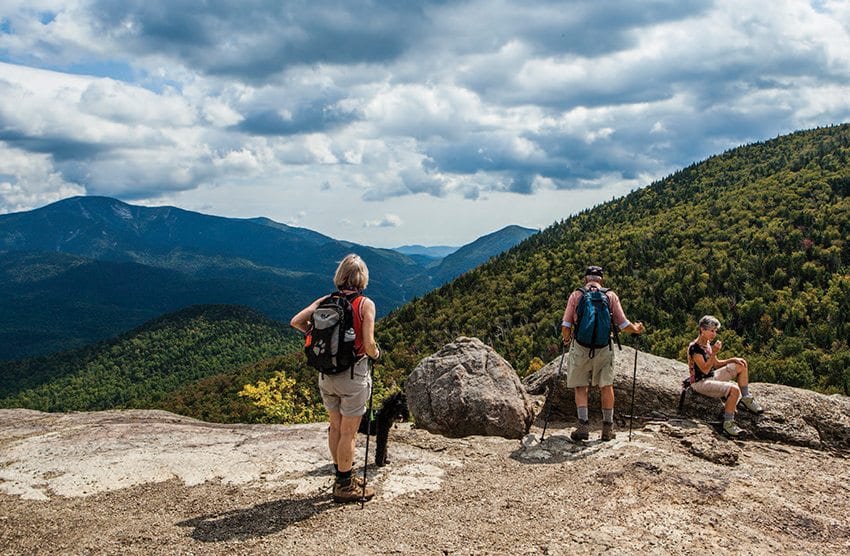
(608, 432)
(752, 405)
(582, 431)
(354, 478)
(732, 429)
(352, 492)
(358, 480)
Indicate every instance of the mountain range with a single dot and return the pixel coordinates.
(430, 252)
(756, 236)
(87, 268)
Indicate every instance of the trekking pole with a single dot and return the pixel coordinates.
(634, 383)
(369, 414)
(549, 395)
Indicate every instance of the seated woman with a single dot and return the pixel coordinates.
(712, 377)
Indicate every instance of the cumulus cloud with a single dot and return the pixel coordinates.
(255, 39)
(28, 180)
(388, 221)
(387, 102)
(296, 219)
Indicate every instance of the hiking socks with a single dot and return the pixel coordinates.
(343, 478)
(336, 467)
(582, 413)
(745, 391)
(728, 416)
(607, 415)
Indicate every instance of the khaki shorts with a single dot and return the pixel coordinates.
(584, 371)
(345, 395)
(719, 385)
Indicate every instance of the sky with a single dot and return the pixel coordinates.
(391, 123)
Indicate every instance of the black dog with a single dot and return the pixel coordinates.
(393, 409)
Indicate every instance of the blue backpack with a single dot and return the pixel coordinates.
(593, 314)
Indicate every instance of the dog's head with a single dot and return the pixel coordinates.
(396, 406)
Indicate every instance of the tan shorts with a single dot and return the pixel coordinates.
(719, 385)
(345, 395)
(584, 371)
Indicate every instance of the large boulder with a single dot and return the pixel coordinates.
(467, 389)
(792, 415)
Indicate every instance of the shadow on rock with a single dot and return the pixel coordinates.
(258, 521)
(326, 470)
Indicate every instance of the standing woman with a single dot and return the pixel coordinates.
(345, 394)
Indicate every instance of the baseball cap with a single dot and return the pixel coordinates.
(594, 270)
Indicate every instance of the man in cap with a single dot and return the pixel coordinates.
(589, 365)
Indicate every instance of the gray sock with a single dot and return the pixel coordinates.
(582, 413)
(608, 415)
(745, 391)
(728, 416)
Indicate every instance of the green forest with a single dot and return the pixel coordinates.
(756, 236)
(149, 367)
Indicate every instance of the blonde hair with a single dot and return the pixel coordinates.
(709, 323)
(351, 273)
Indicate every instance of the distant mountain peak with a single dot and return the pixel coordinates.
(99, 265)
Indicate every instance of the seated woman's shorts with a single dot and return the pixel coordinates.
(719, 385)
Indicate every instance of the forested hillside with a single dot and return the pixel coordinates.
(147, 367)
(756, 236)
(478, 252)
(52, 302)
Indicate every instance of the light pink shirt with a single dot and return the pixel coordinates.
(613, 301)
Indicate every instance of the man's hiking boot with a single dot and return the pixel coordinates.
(732, 429)
(582, 431)
(752, 405)
(608, 432)
(352, 492)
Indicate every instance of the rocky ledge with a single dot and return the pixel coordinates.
(143, 482)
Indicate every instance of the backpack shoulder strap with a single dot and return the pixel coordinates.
(580, 305)
(331, 296)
